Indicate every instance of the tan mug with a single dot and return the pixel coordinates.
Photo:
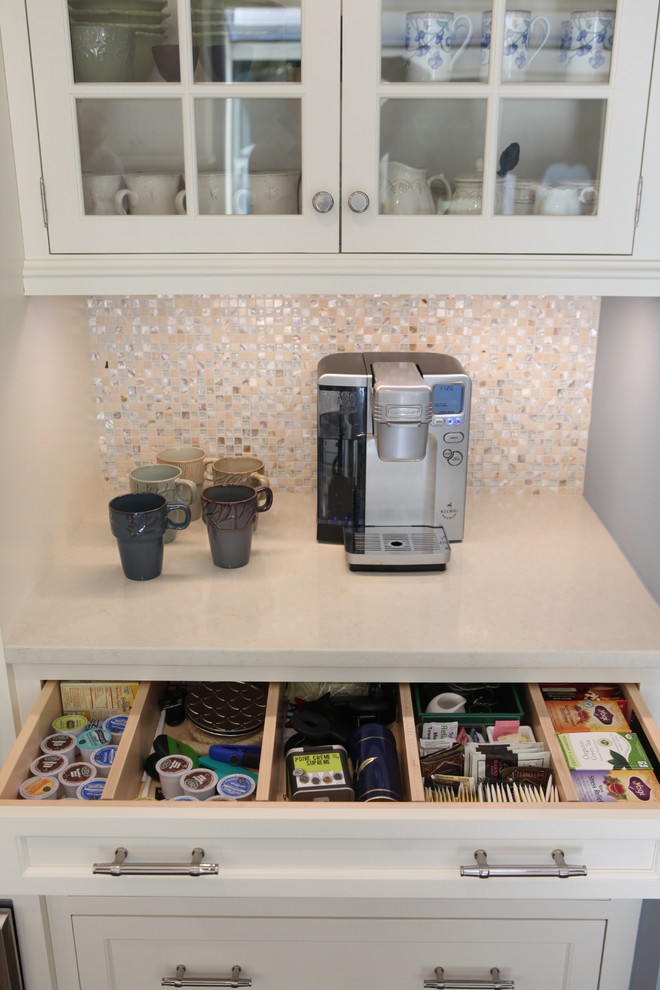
(190, 461)
(165, 480)
(239, 470)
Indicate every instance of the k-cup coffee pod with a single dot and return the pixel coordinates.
(74, 724)
(40, 788)
(235, 787)
(73, 776)
(48, 765)
(92, 790)
(91, 740)
(102, 760)
(170, 770)
(185, 797)
(61, 743)
(115, 725)
(200, 783)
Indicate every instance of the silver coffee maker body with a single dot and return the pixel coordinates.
(392, 457)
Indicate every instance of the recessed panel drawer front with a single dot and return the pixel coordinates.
(277, 847)
(326, 952)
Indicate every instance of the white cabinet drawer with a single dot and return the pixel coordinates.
(137, 953)
(271, 846)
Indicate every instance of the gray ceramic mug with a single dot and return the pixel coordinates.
(165, 480)
(139, 522)
(229, 512)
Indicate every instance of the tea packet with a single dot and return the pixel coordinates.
(603, 751)
(617, 785)
(587, 715)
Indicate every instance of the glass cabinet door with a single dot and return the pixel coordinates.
(188, 122)
(488, 128)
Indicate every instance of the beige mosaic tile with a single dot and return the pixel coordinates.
(237, 374)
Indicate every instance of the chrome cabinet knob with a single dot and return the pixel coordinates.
(323, 201)
(358, 202)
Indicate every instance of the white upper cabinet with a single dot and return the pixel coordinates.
(492, 129)
(356, 137)
(188, 125)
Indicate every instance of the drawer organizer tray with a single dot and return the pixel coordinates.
(125, 782)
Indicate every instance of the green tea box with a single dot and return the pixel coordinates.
(603, 751)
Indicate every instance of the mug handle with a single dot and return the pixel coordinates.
(468, 35)
(260, 479)
(186, 490)
(123, 194)
(173, 507)
(268, 501)
(180, 203)
(443, 182)
(207, 461)
(546, 23)
(589, 197)
(241, 201)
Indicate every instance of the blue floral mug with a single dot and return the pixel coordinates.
(590, 45)
(519, 28)
(430, 38)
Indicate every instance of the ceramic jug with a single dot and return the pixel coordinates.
(406, 189)
(468, 191)
(558, 201)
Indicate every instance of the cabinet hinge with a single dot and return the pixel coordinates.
(638, 204)
(44, 208)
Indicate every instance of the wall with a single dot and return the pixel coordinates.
(623, 466)
(237, 374)
(45, 410)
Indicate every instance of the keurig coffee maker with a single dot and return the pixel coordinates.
(392, 457)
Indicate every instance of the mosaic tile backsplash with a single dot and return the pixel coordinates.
(237, 374)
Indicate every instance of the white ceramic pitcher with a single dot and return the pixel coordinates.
(558, 201)
(406, 189)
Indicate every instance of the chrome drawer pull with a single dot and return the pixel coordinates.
(439, 983)
(561, 869)
(196, 868)
(179, 981)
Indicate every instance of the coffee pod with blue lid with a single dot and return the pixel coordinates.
(92, 790)
(102, 759)
(115, 725)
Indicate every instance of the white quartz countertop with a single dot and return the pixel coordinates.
(537, 583)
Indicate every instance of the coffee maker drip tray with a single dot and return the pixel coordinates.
(396, 548)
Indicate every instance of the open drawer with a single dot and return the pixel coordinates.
(277, 847)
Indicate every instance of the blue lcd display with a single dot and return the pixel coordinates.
(448, 399)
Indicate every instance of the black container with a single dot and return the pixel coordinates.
(376, 775)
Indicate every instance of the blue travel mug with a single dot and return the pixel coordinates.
(376, 775)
